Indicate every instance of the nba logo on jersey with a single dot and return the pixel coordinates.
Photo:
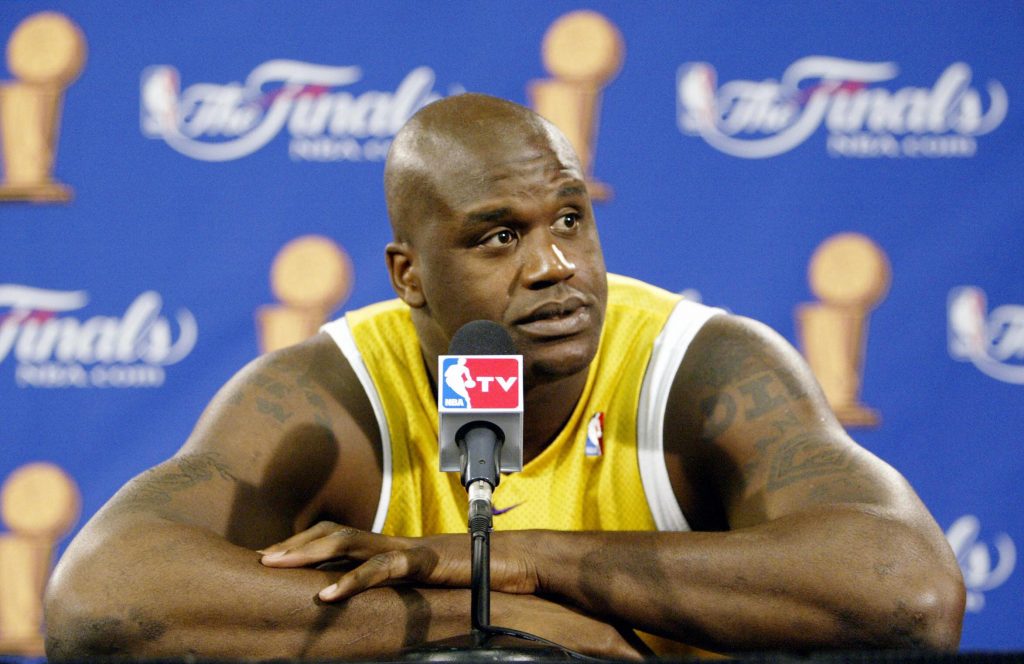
(595, 435)
(481, 382)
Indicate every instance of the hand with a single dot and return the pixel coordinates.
(439, 560)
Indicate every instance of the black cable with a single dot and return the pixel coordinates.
(481, 581)
(526, 636)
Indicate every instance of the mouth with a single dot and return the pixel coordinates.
(556, 319)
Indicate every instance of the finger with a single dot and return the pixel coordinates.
(315, 545)
(309, 534)
(412, 564)
(342, 542)
(375, 571)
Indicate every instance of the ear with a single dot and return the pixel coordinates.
(404, 273)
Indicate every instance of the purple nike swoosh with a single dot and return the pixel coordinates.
(501, 510)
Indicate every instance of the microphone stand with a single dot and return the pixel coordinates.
(480, 526)
(480, 449)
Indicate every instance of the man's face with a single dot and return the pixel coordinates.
(513, 240)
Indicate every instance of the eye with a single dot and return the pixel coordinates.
(501, 238)
(569, 221)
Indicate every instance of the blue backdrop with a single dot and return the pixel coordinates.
(199, 139)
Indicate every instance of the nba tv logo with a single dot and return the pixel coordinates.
(480, 382)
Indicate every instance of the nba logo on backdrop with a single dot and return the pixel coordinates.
(313, 103)
(481, 383)
(760, 119)
(993, 341)
(982, 571)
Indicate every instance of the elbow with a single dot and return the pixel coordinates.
(80, 632)
(73, 629)
(80, 638)
(928, 617)
(922, 609)
(942, 605)
(83, 620)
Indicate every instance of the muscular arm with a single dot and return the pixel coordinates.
(805, 540)
(169, 566)
(819, 544)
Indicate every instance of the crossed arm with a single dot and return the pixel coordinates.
(170, 568)
(808, 541)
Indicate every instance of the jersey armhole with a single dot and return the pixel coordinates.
(342, 335)
(682, 326)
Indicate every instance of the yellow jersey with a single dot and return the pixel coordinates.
(604, 471)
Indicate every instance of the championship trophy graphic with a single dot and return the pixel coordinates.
(850, 274)
(39, 504)
(45, 54)
(583, 51)
(311, 276)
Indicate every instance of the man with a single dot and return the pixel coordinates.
(726, 507)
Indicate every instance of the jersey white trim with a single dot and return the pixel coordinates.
(342, 335)
(669, 348)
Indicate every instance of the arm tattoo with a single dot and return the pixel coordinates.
(272, 408)
(272, 387)
(760, 398)
(781, 422)
(803, 457)
(158, 486)
(308, 386)
(842, 490)
(718, 413)
(754, 397)
(272, 391)
(752, 401)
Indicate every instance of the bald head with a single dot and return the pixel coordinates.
(454, 139)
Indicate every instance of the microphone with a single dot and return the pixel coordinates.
(480, 434)
(480, 431)
(480, 404)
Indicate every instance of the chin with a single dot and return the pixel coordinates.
(560, 360)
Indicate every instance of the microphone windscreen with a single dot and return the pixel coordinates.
(482, 337)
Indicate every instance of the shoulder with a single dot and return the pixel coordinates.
(738, 386)
(729, 350)
(738, 377)
(285, 441)
(294, 417)
(310, 382)
(639, 310)
(635, 294)
(762, 433)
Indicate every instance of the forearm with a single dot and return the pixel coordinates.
(152, 588)
(835, 579)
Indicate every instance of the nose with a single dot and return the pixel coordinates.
(546, 265)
